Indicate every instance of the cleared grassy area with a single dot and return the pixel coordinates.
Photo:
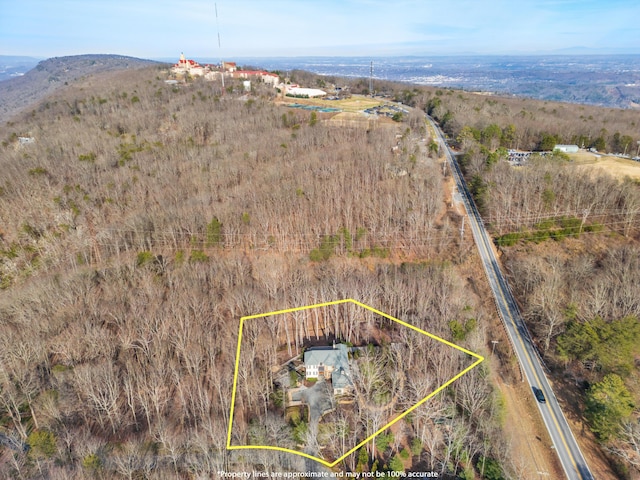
(618, 167)
(355, 104)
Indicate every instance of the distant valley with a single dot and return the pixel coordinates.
(605, 80)
(15, 66)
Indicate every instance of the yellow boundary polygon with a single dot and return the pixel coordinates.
(479, 359)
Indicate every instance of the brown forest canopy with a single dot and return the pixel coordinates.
(525, 124)
(146, 218)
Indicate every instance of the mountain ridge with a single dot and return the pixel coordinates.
(55, 73)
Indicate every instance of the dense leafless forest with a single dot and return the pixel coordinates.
(389, 374)
(146, 219)
(569, 241)
(522, 123)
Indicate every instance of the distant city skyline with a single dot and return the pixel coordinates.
(250, 28)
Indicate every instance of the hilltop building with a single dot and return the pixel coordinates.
(186, 67)
(229, 67)
(257, 75)
(190, 67)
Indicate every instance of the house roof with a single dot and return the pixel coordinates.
(336, 356)
(566, 146)
(339, 379)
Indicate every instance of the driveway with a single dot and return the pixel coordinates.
(320, 400)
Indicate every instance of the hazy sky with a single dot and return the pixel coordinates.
(162, 28)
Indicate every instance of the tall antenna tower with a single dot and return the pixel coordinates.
(371, 79)
(219, 48)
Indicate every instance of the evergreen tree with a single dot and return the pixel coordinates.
(608, 403)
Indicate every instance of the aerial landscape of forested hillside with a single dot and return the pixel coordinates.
(141, 219)
(338, 239)
(152, 216)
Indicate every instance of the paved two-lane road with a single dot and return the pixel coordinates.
(564, 442)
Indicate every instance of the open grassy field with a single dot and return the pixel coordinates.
(618, 167)
(357, 103)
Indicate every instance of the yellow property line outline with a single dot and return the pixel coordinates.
(479, 359)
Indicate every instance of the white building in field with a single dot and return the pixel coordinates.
(566, 148)
(26, 140)
(295, 91)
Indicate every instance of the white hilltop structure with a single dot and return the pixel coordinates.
(186, 67)
(256, 75)
(190, 67)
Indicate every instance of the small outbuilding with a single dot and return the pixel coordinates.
(305, 92)
(566, 148)
(26, 140)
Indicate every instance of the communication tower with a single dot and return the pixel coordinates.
(220, 48)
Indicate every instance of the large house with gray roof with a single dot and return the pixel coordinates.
(330, 363)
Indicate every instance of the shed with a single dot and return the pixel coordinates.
(566, 148)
